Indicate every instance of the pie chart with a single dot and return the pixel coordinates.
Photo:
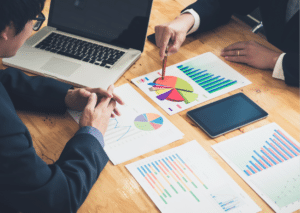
(173, 89)
(148, 122)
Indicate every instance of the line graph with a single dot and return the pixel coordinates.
(113, 125)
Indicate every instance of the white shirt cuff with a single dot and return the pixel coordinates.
(278, 70)
(197, 20)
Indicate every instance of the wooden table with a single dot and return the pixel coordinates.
(116, 190)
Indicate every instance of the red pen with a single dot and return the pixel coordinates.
(164, 65)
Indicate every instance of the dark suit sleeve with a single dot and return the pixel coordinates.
(29, 185)
(214, 13)
(290, 65)
(34, 93)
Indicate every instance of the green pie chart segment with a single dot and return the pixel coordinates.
(148, 122)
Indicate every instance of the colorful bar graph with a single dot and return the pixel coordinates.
(262, 158)
(282, 148)
(206, 80)
(160, 175)
(191, 171)
(278, 150)
(286, 145)
(288, 140)
(155, 189)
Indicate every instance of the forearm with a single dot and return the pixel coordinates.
(185, 21)
(62, 187)
(214, 13)
(34, 93)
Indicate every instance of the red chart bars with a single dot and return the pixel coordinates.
(277, 150)
(170, 175)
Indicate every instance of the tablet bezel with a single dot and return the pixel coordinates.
(213, 134)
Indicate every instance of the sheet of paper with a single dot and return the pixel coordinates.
(190, 82)
(187, 179)
(140, 129)
(268, 159)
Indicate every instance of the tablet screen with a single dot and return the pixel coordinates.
(227, 114)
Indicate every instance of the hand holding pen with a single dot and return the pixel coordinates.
(173, 34)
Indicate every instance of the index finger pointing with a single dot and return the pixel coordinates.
(165, 42)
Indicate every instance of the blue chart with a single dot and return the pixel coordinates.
(208, 81)
(227, 199)
(278, 149)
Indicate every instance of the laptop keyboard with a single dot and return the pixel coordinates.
(80, 50)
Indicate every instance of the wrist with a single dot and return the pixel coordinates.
(186, 21)
(274, 60)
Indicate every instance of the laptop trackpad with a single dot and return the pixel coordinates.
(60, 66)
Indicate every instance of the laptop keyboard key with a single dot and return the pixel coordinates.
(69, 55)
(80, 50)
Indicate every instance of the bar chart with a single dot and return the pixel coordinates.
(178, 181)
(190, 82)
(227, 199)
(278, 149)
(208, 81)
(171, 167)
(268, 159)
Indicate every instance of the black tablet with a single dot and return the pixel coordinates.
(227, 114)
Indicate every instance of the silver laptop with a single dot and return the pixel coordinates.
(87, 42)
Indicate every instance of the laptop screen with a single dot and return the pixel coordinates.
(117, 22)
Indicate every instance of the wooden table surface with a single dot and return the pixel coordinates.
(116, 190)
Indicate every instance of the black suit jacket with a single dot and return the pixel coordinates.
(283, 35)
(27, 183)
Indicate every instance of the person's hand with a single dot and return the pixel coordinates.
(173, 34)
(76, 99)
(251, 53)
(97, 114)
